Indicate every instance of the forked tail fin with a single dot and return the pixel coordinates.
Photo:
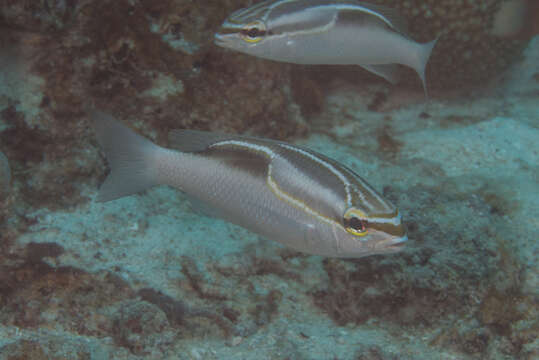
(130, 157)
(424, 54)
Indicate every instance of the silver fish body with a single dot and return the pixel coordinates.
(283, 192)
(340, 32)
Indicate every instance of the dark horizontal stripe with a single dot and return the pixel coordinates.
(385, 215)
(395, 230)
(244, 159)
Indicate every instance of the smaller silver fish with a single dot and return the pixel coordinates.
(331, 32)
(289, 194)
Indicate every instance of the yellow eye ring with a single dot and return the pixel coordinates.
(356, 233)
(355, 223)
(252, 40)
(253, 32)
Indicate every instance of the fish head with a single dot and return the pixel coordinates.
(251, 38)
(272, 29)
(245, 29)
(244, 38)
(366, 233)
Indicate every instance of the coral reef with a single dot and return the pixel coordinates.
(84, 53)
(146, 277)
(6, 196)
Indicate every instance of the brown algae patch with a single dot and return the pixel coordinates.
(475, 276)
(387, 144)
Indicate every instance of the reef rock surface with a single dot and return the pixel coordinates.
(147, 277)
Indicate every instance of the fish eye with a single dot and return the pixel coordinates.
(253, 32)
(354, 222)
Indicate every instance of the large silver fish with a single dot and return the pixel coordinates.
(283, 192)
(341, 32)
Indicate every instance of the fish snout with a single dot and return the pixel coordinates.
(396, 243)
(219, 39)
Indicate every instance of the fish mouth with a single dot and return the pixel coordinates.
(219, 39)
(398, 244)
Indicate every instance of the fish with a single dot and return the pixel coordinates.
(282, 192)
(327, 32)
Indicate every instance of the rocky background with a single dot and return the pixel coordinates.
(145, 277)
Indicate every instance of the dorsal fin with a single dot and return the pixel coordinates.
(321, 12)
(196, 140)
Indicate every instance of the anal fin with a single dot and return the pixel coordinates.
(387, 71)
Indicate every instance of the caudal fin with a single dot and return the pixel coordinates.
(424, 54)
(129, 156)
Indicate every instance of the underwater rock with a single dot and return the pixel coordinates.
(140, 325)
(5, 176)
(74, 275)
(109, 59)
(467, 54)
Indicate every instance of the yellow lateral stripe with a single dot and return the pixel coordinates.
(272, 184)
(298, 204)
